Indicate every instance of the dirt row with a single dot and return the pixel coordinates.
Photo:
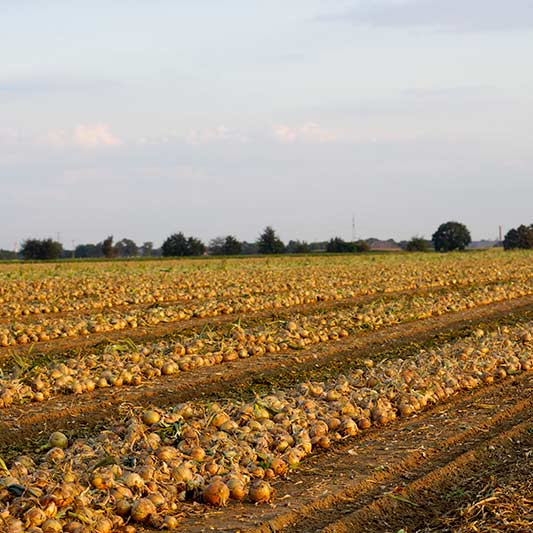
(413, 475)
(22, 426)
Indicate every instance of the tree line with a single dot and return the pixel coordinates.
(449, 236)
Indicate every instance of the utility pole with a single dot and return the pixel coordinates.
(500, 233)
(353, 228)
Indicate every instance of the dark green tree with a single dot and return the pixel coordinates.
(269, 242)
(107, 247)
(522, 237)
(175, 246)
(451, 236)
(31, 249)
(526, 236)
(339, 246)
(232, 246)
(228, 245)
(7, 254)
(126, 248)
(35, 249)
(195, 246)
(85, 251)
(418, 244)
(298, 247)
(51, 249)
(511, 240)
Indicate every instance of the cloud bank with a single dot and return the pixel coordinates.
(444, 15)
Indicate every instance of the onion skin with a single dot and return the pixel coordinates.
(237, 488)
(216, 493)
(151, 417)
(58, 440)
(260, 492)
(142, 510)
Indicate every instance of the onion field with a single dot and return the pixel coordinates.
(353, 393)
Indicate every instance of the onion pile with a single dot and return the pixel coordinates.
(94, 292)
(128, 364)
(142, 470)
(41, 289)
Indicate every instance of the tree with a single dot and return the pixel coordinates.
(88, 250)
(195, 246)
(511, 240)
(51, 249)
(228, 245)
(361, 246)
(418, 244)
(177, 245)
(522, 237)
(339, 246)
(41, 249)
(107, 247)
(216, 246)
(31, 249)
(298, 247)
(451, 236)
(232, 246)
(7, 254)
(269, 242)
(249, 248)
(126, 248)
(318, 246)
(147, 248)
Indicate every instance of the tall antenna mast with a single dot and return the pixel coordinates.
(353, 228)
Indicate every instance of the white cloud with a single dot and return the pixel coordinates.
(309, 132)
(81, 136)
(94, 136)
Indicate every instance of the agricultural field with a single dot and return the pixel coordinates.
(371, 393)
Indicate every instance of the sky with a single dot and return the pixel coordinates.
(212, 117)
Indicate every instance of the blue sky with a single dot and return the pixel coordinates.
(139, 119)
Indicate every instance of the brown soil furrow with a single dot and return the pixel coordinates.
(392, 511)
(20, 425)
(372, 475)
